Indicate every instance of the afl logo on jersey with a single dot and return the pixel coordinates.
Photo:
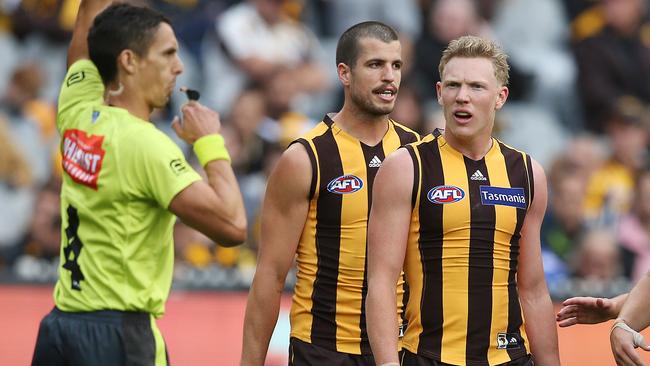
(345, 184)
(445, 194)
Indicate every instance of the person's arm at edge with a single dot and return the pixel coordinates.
(635, 308)
(88, 10)
(387, 237)
(635, 314)
(215, 208)
(533, 292)
(589, 310)
(284, 212)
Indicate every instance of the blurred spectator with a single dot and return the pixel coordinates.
(446, 20)
(16, 194)
(260, 42)
(283, 122)
(529, 127)
(598, 258)
(8, 44)
(610, 188)
(7, 7)
(253, 187)
(30, 120)
(536, 35)
(14, 169)
(261, 120)
(192, 246)
(585, 18)
(339, 15)
(408, 109)
(53, 19)
(332, 17)
(564, 223)
(44, 28)
(44, 237)
(615, 62)
(245, 145)
(192, 19)
(634, 229)
(584, 154)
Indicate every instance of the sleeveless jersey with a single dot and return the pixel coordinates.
(462, 253)
(328, 307)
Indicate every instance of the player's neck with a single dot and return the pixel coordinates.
(369, 129)
(130, 101)
(473, 147)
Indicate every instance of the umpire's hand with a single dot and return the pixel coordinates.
(197, 121)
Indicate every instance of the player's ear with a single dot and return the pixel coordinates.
(502, 96)
(439, 92)
(343, 71)
(127, 61)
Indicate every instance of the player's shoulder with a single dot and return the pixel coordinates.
(398, 157)
(81, 72)
(296, 156)
(318, 130)
(81, 87)
(403, 130)
(76, 71)
(429, 139)
(293, 172)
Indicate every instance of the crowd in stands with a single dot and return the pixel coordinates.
(579, 103)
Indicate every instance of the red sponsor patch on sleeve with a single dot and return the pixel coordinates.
(82, 157)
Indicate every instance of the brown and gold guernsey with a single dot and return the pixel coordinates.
(462, 253)
(328, 307)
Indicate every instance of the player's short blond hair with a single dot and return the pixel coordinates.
(472, 47)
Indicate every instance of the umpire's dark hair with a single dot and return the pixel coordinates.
(347, 50)
(120, 27)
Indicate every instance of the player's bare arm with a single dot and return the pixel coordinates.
(387, 237)
(215, 208)
(533, 292)
(284, 212)
(88, 9)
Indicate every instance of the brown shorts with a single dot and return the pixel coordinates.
(411, 359)
(303, 354)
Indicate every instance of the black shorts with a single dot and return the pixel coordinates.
(411, 359)
(303, 354)
(99, 338)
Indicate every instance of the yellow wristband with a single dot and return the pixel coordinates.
(209, 148)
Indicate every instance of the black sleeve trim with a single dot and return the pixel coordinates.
(314, 166)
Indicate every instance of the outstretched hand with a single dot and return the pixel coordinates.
(585, 310)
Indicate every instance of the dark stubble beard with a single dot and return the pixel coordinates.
(366, 106)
